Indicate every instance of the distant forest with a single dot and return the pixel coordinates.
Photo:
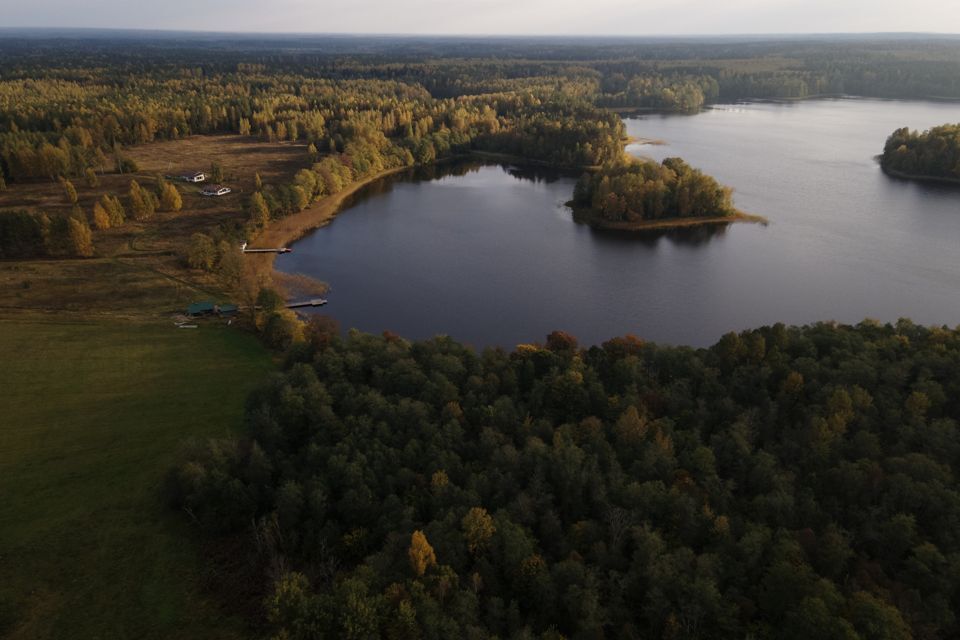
(788, 483)
(935, 153)
(70, 102)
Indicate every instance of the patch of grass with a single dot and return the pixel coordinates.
(92, 416)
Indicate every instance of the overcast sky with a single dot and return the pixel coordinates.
(582, 17)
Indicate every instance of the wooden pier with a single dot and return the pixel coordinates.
(278, 250)
(316, 302)
(244, 249)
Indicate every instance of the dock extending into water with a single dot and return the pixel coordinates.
(277, 250)
(316, 302)
(244, 249)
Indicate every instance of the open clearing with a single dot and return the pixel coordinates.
(92, 416)
(138, 270)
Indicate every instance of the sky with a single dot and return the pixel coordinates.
(499, 17)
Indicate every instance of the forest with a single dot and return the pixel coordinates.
(788, 482)
(633, 191)
(934, 153)
(69, 107)
(784, 483)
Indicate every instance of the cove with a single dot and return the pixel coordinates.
(489, 253)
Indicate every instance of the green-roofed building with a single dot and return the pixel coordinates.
(225, 309)
(200, 309)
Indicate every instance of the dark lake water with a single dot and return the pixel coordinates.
(491, 256)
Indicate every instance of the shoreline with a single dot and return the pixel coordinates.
(319, 214)
(584, 216)
(919, 177)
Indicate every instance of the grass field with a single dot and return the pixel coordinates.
(92, 415)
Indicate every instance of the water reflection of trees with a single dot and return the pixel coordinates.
(453, 169)
(538, 174)
(524, 172)
(682, 236)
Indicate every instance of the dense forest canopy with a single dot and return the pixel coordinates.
(61, 122)
(934, 153)
(646, 190)
(66, 103)
(785, 483)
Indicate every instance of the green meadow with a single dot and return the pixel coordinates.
(92, 417)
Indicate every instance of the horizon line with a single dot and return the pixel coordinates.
(387, 34)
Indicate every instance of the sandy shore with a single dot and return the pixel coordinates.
(672, 223)
(282, 233)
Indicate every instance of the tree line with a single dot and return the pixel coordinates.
(785, 483)
(35, 234)
(66, 108)
(28, 234)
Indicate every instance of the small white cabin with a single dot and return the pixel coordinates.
(215, 190)
(194, 176)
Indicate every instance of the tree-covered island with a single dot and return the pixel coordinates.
(931, 155)
(641, 194)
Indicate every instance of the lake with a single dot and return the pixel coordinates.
(490, 255)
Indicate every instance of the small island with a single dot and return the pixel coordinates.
(643, 194)
(932, 155)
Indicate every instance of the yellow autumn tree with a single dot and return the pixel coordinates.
(439, 480)
(170, 198)
(101, 219)
(631, 427)
(80, 238)
(478, 528)
(421, 553)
